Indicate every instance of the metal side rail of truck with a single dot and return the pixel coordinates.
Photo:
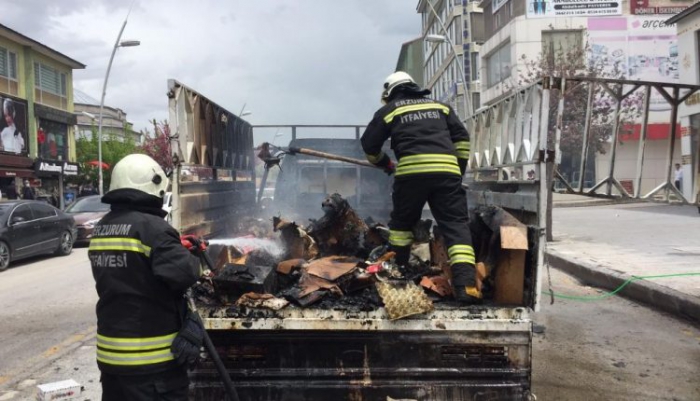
(453, 353)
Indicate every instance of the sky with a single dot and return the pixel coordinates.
(288, 61)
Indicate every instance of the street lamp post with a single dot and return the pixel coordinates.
(117, 44)
(446, 38)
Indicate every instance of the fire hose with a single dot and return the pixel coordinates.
(208, 344)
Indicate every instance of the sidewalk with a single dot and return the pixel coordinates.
(606, 245)
(572, 200)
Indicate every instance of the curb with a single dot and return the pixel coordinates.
(594, 202)
(642, 291)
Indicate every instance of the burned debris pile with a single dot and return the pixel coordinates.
(340, 261)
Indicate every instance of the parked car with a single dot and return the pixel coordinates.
(87, 211)
(29, 228)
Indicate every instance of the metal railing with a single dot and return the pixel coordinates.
(528, 126)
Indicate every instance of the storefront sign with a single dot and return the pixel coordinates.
(70, 169)
(13, 125)
(650, 7)
(573, 8)
(47, 167)
(55, 167)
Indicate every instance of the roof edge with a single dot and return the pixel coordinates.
(683, 14)
(25, 40)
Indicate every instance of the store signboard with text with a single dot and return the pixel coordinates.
(572, 8)
(642, 48)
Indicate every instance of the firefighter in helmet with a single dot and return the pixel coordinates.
(144, 336)
(432, 148)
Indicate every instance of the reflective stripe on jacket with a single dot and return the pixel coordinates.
(426, 136)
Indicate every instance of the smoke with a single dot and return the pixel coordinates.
(271, 246)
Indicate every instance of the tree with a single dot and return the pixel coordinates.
(568, 59)
(114, 148)
(158, 145)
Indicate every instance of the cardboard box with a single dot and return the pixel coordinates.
(58, 391)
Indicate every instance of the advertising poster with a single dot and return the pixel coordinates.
(644, 47)
(573, 8)
(13, 126)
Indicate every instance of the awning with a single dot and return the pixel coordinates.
(16, 172)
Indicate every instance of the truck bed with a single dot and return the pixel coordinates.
(475, 353)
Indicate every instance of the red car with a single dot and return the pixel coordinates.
(87, 211)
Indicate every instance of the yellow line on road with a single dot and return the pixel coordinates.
(70, 340)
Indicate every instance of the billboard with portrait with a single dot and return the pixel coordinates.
(13, 125)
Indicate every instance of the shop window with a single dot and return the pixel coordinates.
(53, 140)
(8, 72)
(50, 86)
(498, 65)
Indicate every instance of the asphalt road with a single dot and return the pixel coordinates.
(48, 306)
(607, 350)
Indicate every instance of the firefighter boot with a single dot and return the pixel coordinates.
(403, 254)
(464, 285)
(467, 295)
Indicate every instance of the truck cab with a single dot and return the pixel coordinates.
(305, 181)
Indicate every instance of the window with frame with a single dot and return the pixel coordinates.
(476, 74)
(498, 65)
(50, 86)
(8, 72)
(562, 47)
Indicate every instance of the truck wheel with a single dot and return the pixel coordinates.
(65, 244)
(4, 256)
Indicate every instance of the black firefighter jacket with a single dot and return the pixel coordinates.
(426, 137)
(141, 272)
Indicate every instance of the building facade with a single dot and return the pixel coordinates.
(114, 122)
(37, 138)
(626, 39)
(688, 29)
(455, 59)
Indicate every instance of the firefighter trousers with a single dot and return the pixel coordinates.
(171, 385)
(448, 203)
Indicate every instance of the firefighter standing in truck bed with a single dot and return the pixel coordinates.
(141, 270)
(432, 148)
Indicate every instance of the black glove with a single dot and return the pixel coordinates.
(387, 165)
(188, 342)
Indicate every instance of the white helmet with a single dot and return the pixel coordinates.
(393, 81)
(137, 171)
